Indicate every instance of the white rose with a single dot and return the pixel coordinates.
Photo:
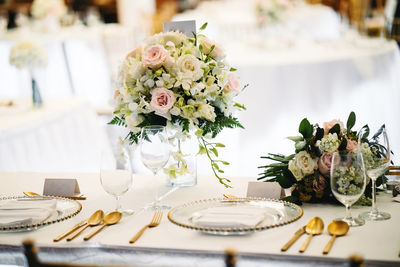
(295, 171)
(133, 121)
(190, 64)
(306, 163)
(206, 111)
(174, 37)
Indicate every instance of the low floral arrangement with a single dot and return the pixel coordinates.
(28, 54)
(307, 171)
(271, 11)
(44, 8)
(183, 83)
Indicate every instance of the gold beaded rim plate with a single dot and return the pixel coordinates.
(206, 203)
(66, 208)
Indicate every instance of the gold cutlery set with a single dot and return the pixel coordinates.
(316, 227)
(98, 218)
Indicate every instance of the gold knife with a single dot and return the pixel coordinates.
(76, 227)
(296, 236)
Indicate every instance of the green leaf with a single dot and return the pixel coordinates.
(295, 138)
(284, 181)
(239, 106)
(232, 69)
(300, 145)
(351, 121)
(219, 145)
(335, 129)
(225, 162)
(364, 131)
(305, 128)
(343, 145)
(292, 199)
(202, 150)
(215, 151)
(118, 121)
(319, 134)
(204, 26)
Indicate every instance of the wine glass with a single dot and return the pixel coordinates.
(348, 181)
(116, 174)
(377, 164)
(154, 152)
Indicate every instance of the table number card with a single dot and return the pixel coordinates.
(61, 187)
(265, 190)
(188, 27)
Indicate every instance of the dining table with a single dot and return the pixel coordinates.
(377, 242)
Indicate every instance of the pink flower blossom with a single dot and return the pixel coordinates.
(351, 145)
(330, 124)
(233, 85)
(155, 56)
(137, 52)
(325, 162)
(217, 53)
(162, 100)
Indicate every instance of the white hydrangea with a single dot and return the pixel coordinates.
(43, 8)
(329, 143)
(28, 54)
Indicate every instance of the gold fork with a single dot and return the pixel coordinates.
(154, 222)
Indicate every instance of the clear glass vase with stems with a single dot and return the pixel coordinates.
(348, 181)
(182, 166)
(36, 96)
(155, 153)
(116, 174)
(376, 166)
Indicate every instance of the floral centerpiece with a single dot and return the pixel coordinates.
(29, 55)
(183, 83)
(48, 8)
(271, 11)
(307, 171)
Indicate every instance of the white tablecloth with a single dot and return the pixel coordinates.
(374, 240)
(63, 135)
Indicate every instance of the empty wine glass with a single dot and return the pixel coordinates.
(377, 164)
(154, 152)
(116, 174)
(348, 181)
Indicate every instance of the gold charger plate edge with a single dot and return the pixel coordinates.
(233, 230)
(45, 222)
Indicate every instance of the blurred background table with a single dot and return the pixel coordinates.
(64, 135)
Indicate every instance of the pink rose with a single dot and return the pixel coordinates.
(233, 85)
(329, 125)
(155, 56)
(138, 51)
(162, 100)
(351, 145)
(319, 185)
(217, 53)
(325, 161)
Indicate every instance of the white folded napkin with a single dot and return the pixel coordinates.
(229, 217)
(23, 211)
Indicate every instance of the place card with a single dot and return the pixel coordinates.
(265, 190)
(188, 27)
(61, 187)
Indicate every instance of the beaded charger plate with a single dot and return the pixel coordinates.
(274, 213)
(65, 209)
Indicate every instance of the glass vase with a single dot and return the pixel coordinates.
(36, 97)
(181, 169)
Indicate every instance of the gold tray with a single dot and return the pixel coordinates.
(66, 208)
(277, 212)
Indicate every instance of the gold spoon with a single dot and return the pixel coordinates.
(314, 227)
(94, 220)
(109, 219)
(335, 228)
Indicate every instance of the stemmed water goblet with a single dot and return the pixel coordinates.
(154, 152)
(116, 174)
(348, 181)
(376, 166)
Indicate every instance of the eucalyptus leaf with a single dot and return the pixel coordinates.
(305, 128)
(351, 121)
(335, 129)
